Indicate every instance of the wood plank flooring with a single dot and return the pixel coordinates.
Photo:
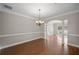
(41, 47)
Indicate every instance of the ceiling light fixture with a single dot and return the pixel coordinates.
(39, 21)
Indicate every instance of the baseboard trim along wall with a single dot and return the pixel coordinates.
(20, 42)
(74, 45)
(70, 44)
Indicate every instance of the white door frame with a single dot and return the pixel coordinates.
(62, 31)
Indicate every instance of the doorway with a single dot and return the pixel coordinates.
(58, 30)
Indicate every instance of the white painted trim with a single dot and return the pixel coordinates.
(74, 45)
(7, 35)
(71, 12)
(19, 43)
(15, 13)
(73, 35)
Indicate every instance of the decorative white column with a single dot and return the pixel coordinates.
(62, 31)
(45, 31)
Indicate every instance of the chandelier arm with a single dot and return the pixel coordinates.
(39, 13)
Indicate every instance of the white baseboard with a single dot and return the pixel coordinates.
(74, 45)
(19, 43)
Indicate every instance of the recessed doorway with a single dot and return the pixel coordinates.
(58, 30)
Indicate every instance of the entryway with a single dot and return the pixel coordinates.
(57, 35)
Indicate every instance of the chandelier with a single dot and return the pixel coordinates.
(39, 21)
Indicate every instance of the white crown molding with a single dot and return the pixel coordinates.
(68, 13)
(16, 34)
(15, 13)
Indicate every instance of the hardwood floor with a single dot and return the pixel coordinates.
(40, 46)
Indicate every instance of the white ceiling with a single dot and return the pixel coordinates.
(47, 9)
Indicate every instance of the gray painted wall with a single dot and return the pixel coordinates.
(14, 24)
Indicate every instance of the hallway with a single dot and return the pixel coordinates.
(53, 46)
